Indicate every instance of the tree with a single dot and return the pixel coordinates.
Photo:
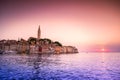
(57, 43)
(45, 40)
(32, 40)
(49, 41)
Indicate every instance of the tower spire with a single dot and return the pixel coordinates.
(39, 33)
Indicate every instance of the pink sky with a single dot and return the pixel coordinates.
(71, 23)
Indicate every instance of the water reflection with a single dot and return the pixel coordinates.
(60, 67)
(36, 65)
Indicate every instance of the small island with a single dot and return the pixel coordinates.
(35, 45)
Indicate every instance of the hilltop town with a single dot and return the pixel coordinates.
(35, 45)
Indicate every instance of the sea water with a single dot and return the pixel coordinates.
(81, 66)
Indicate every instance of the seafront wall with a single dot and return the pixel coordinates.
(25, 48)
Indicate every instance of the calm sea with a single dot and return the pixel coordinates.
(81, 66)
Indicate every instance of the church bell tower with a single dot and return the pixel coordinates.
(39, 33)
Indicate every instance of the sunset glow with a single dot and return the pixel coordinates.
(103, 49)
(72, 23)
(59, 40)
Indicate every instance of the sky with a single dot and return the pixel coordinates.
(81, 23)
